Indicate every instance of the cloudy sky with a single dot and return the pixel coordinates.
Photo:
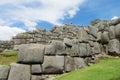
(23, 15)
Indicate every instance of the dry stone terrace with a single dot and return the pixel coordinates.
(42, 55)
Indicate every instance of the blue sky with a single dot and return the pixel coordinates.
(23, 15)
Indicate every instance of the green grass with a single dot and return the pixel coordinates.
(106, 69)
(8, 57)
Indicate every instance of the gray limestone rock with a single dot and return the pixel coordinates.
(117, 31)
(99, 36)
(69, 63)
(105, 37)
(91, 38)
(75, 51)
(31, 53)
(50, 50)
(91, 43)
(4, 70)
(59, 47)
(53, 64)
(68, 42)
(93, 31)
(79, 63)
(83, 49)
(36, 69)
(82, 35)
(35, 77)
(89, 50)
(101, 26)
(115, 22)
(112, 32)
(68, 50)
(97, 48)
(72, 63)
(114, 46)
(19, 72)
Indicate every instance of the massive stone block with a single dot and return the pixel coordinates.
(101, 26)
(114, 46)
(82, 35)
(69, 63)
(75, 50)
(72, 63)
(68, 42)
(36, 69)
(55, 48)
(105, 37)
(117, 31)
(89, 50)
(93, 31)
(91, 43)
(53, 64)
(59, 47)
(32, 53)
(112, 32)
(50, 50)
(91, 38)
(4, 70)
(83, 49)
(99, 36)
(97, 48)
(19, 72)
(79, 63)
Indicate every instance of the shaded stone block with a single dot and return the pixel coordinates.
(19, 72)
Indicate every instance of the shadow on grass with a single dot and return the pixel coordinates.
(117, 78)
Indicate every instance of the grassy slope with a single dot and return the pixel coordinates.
(107, 69)
(8, 57)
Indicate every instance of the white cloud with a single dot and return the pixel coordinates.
(29, 12)
(51, 11)
(7, 32)
(115, 17)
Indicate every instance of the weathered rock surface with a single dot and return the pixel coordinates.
(105, 37)
(69, 64)
(97, 48)
(93, 31)
(72, 63)
(4, 70)
(32, 53)
(59, 47)
(117, 31)
(99, 36)
(50, 50)
(36, 69)
(75, 50)
(79, 63)
(53, 64)
(68, 42)
(83, 49)
(82, 35)
(112, 32)
(34, 77)
(114, 46)
(19, 72)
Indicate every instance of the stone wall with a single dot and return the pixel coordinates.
(44, 37)
(6, 45)
(42, 62)
(43, 55)
(103, 34)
